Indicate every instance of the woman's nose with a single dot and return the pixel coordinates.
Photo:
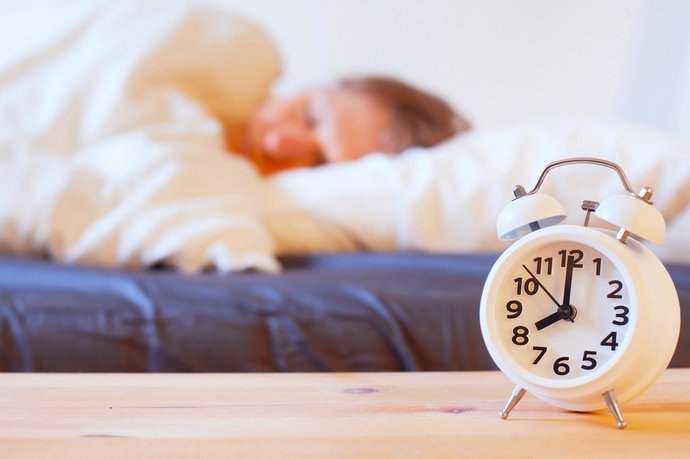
(288, 142)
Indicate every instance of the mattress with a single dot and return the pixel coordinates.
(345, 312)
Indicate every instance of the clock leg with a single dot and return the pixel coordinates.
(515, 397)
(612, 403)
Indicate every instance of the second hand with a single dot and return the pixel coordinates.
(541, 286)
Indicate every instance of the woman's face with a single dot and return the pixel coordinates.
(316, 127)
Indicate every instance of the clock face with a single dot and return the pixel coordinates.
(563, 311)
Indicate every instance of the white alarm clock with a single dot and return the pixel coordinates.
(582, 317)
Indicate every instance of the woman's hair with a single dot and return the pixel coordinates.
(419, 118)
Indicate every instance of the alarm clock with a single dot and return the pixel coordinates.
(582, 317)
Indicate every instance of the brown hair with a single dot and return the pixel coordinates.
(419, 118)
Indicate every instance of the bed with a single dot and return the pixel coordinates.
(348, 312)
(123, 167)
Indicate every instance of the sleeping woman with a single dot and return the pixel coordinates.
(115, 123)
(355, 117)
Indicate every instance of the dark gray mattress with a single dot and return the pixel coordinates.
(355, 312)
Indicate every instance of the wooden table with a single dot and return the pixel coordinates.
(401, 415)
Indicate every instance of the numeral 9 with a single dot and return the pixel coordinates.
(515, 308)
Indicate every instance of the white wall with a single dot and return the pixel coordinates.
(657, 87)
(498, 61)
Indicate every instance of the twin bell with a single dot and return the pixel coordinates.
(633, 213)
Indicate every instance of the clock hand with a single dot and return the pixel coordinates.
(565, 307)
(562, 313)
(549, 320)
(555, 317)
(541, 286)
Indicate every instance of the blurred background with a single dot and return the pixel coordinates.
(498, 61)
(112, 155)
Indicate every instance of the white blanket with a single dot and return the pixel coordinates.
(112, 154)
(111, 140)
(448, 198)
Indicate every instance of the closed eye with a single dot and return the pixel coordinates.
(309, 116)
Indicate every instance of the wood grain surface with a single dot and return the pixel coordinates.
(363, 415)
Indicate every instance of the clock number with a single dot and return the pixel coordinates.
(542, 351)
(520, 335)
(614, 294)
(560, 367)
(575, 253)
(589, 358)
(515, 308)
(611, 340)
(577, 256)
(623, 316)
(548, 262)
(597, 261)
(531, 286)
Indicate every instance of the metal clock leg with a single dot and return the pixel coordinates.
(612, 403)
(515, 397)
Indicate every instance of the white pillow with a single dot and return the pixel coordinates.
(448, 198)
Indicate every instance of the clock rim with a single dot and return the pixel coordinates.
(599, 239)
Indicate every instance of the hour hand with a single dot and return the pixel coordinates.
(549, 320)
(555, 317)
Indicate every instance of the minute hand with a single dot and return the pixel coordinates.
(565, 305)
